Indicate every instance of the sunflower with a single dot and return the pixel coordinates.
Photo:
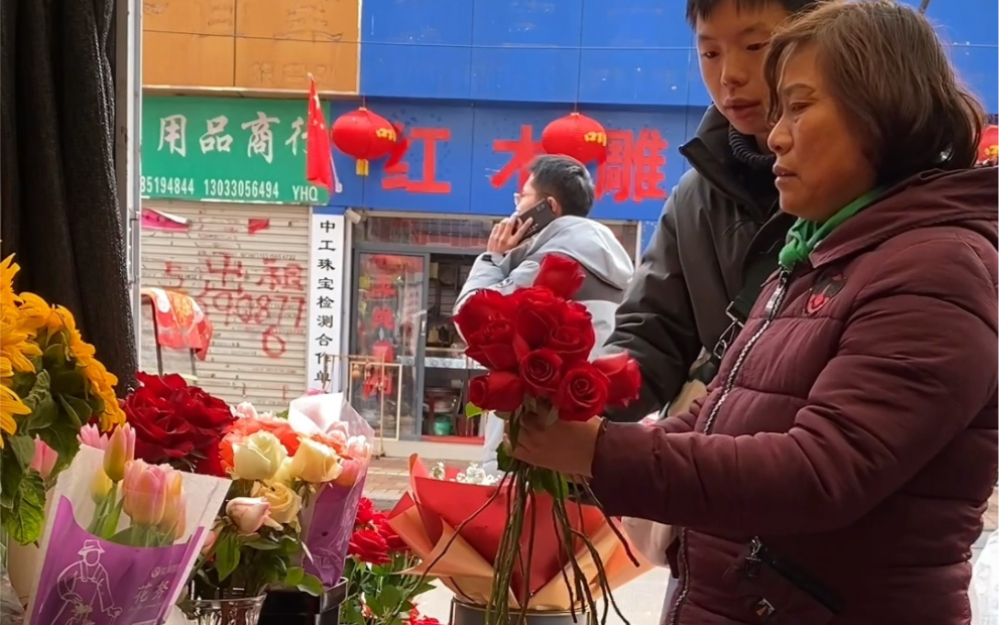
(35, 313)
(102, 381)
(15, 343)
(8, 299)
(10, 403)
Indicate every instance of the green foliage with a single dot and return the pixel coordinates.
(471, 410)
(22, 498)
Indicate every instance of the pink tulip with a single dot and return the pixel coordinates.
(174, 521)
(248, 514)
(119, 452)
(245, 410)
(144, 493)
(44, 460)
(358, 448)
(92, 437)
(348, 477)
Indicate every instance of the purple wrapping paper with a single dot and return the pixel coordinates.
(331, 528)
(89, 581)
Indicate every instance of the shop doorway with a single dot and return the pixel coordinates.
(388, 339)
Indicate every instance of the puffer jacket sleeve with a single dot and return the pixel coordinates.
(655, 323)
(917, 361)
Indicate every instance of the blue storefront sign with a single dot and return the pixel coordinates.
(465, 159)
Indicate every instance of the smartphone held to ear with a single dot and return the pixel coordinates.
(541, 214)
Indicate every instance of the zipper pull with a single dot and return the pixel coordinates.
(751, 566)
(775, 298)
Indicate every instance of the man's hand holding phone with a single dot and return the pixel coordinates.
(508, 234)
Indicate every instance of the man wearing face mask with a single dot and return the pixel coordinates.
(552, 218)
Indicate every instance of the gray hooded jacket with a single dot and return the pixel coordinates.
(608, 270)
(607, 265)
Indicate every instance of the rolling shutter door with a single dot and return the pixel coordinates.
(247, 266)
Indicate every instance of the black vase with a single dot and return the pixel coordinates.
(293, 607)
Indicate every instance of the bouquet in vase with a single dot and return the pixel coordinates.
(456, 525)
(536, 345)
(377, 573)
(294, 480)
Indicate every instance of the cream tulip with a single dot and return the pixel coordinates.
(284, 502)
(100, 486)
(258, 457)
(315, 463)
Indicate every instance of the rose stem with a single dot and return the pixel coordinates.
(582, 587)
(529, 497)
(589, 493)
(450, 541)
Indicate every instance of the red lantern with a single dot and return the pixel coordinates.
(365, 136)
(578, 136)
(988, 149)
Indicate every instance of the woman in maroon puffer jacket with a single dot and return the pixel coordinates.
(838, 469)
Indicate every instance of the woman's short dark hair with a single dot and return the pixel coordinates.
(889, 73)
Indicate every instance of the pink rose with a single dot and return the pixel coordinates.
(249, 514)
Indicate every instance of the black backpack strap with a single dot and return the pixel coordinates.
(738, 311)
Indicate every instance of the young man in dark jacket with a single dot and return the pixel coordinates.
(720, 230)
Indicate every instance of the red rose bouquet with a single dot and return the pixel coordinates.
(536, 344)
(376, 573)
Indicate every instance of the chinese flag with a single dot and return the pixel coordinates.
(318, 159)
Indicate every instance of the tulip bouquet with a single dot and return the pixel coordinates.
(151, 496)
(376, 572)
(282, 469)
(536, 344)
(147, 524)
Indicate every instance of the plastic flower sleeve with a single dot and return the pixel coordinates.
(328, 520)
(100, 565)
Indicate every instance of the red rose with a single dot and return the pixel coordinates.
(482, 309)
(561, 274)
(497, 390)
(369, 546)
(394, 542)
(177, 424)
(541, 370)
(582, 394)
(492, 347)
(539, 312)
(624, 379)
(573, 340)
(366, 513)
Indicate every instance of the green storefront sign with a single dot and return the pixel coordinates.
(226, 150)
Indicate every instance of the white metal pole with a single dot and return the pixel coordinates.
(128, 134)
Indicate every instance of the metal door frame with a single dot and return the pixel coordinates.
(419, 358)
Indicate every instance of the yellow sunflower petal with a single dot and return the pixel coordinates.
(10, 405)
(35, 312)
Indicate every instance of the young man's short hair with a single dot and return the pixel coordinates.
(702, 9)
(565, 179)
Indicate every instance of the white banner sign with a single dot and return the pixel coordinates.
(326, 304)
